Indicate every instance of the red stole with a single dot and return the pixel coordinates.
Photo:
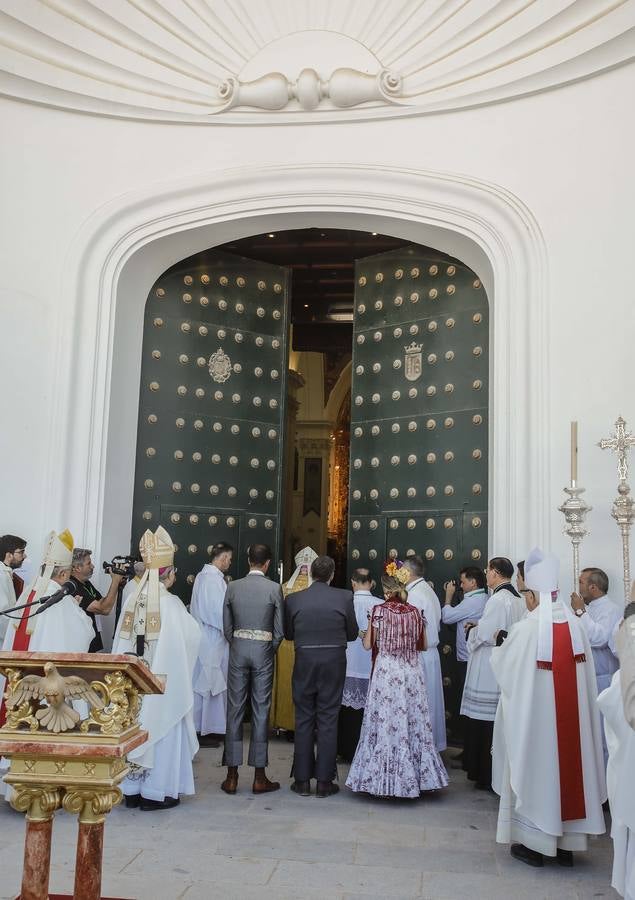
(565, 686)
(21, 641)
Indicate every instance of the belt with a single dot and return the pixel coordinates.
(253, 634)
(321, 646)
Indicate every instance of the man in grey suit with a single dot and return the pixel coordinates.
(320, 620)
(253, 625)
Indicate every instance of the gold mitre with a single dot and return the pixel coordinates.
(59, 549)
(157, 550)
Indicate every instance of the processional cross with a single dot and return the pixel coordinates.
(624, 506)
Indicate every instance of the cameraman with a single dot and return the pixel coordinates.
(92, 601)
(469, 610)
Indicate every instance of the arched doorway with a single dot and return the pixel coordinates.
(213, 426)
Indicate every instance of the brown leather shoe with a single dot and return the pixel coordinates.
(326, 789)
(264, 786)
(230, 784)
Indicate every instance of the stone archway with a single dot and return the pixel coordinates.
(120, 252)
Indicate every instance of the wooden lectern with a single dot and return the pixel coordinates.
(59, 759)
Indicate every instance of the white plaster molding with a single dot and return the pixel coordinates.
(167, 61)
(344, 88)
(124, 247)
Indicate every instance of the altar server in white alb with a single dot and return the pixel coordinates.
(421, 595)
(155, 624)
(503, 609)
(210, 672)
(548, 767)
(617, 704)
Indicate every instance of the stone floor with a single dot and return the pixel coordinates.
(283, 846)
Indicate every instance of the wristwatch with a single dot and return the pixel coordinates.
(580, 612)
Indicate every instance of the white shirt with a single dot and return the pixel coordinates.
(358, 660)
(421, 595)
(470, 609)
(599, 621)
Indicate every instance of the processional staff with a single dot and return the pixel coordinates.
(574, 508)
(623, 506)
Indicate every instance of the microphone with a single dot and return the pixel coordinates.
(67, 588)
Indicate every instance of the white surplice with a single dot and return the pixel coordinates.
(480, 694)
(7, 595)
(210, 672)
(599, 621)
(525, 764)
(62, 628)
(166, 758)
(359, 660)
(620, 739)
(421, 595)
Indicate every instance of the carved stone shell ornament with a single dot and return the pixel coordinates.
(220, 367)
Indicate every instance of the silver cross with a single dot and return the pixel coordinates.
(621, 442)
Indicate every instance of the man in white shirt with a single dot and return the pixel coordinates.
(480, 694)
(358, 666)
(599, 617)
(469, 609)
(12, 553)
(421, 595)
(210, 671)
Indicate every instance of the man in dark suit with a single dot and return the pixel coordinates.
(320, 620)
(252, 622)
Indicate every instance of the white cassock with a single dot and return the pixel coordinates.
(480, 694)
(525, 764)
(359, 660)
(421, 595)
(620, 738)
(166, 758)
(210, 671)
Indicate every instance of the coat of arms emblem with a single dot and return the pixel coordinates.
(413, 363)
(220, 366)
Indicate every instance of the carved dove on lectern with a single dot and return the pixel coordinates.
(55, 689)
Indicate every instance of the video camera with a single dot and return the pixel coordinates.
(120, 565)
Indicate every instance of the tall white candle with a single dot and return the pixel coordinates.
(574, 453)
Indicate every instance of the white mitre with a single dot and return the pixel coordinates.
(541, 576)
(143, 614)
(302, 558)
(58, 552)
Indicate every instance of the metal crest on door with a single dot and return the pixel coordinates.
(413, 362)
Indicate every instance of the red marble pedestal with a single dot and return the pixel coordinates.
(90, 850)
(37, 860)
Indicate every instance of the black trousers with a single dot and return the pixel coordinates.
(317, 686)
(477, 754)
(348, 731)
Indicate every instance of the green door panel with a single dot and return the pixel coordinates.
(419, 421)
(211, 409)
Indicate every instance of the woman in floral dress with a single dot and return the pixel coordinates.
(396, 755)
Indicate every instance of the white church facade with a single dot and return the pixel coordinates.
(139, 136)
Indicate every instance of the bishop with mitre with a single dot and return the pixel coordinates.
(155, 625)
(548, 767)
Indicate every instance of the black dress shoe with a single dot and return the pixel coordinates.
(524, 854)
(565, 858)
(132, 801)
(150, 805)
(209, 740)
(326, 789)
(303, 788)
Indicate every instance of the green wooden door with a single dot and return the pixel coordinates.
(419, 422)
(212, 407)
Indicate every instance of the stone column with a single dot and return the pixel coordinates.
(40, 804)
(92, 805)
